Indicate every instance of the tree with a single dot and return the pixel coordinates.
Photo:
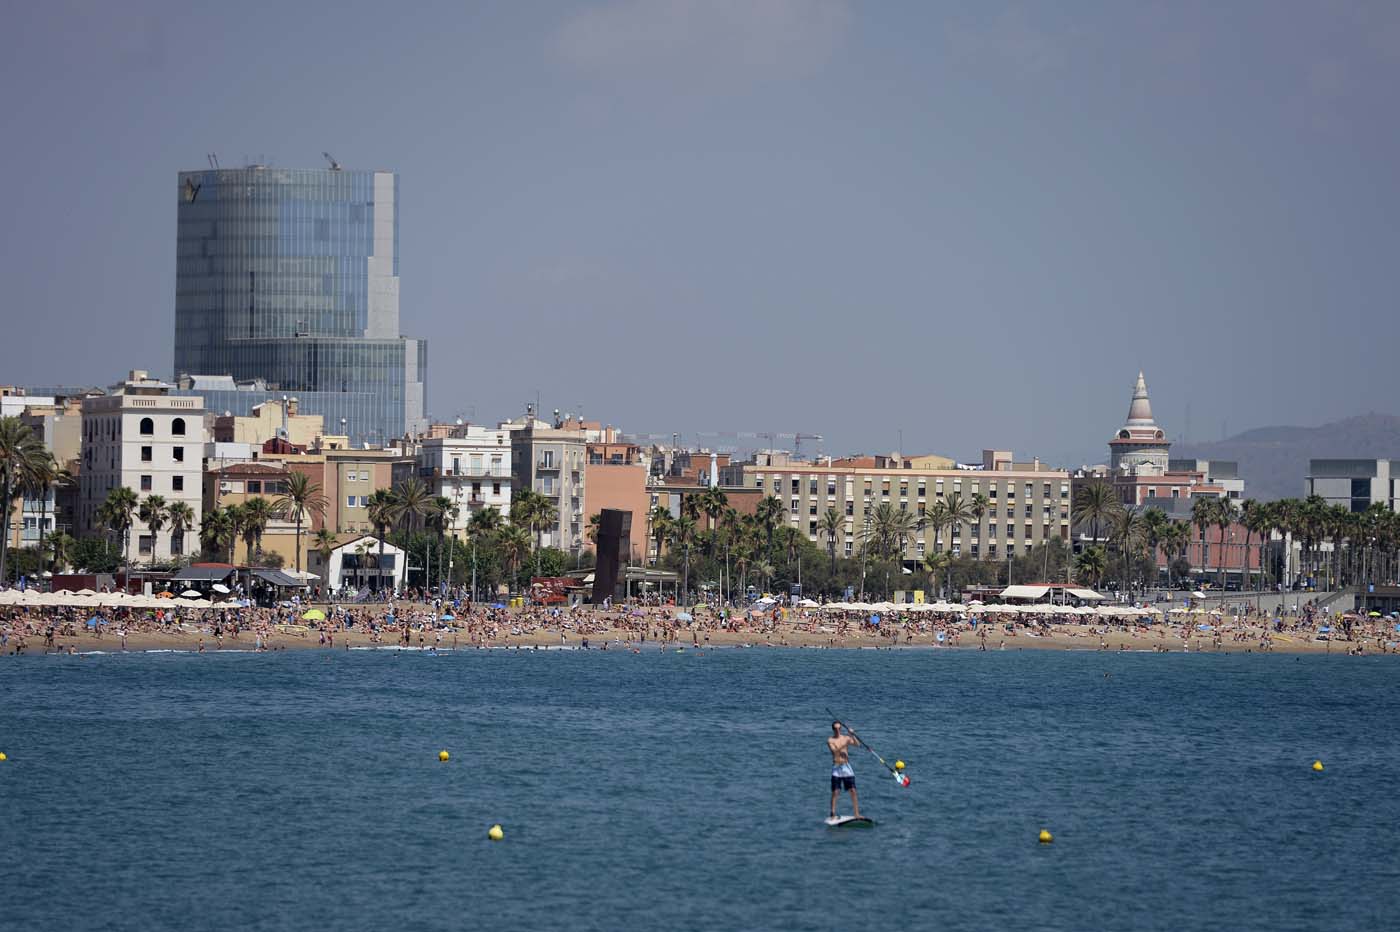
(152, 511)
(713, 501)
(257, 512)
(61, 546)
(96, 555)
(1203, 516)
(43, 480)
(22, 455)
(682, 536)
(217, 532)
(1126, 532)
(1155, 524)
(958, 512)
(935, 562)
(181, 518)
(412, 504)
(116, 513)
(300, 499)
(831, 524)
(977, 508)
(660, 527)
(1094, 503)
(766, 512)
(595, 525)
(1091, 564)
(1225, 515)
(323, 543)
(936, 518)
(514, 543)
(382, 510)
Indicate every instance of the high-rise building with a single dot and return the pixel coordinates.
(289, 279)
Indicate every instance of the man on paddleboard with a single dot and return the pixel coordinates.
(842, 777)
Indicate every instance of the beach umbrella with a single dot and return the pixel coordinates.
(191, 594)
(165, 594)
(1374, 614)
(1204, 627)
(92, 622)
(447, 616)
(314, 615)
(220, 588)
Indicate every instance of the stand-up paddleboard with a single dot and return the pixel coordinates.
(849, 821)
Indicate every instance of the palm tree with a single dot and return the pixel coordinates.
(595, 526)
(237, 520)
(1126, 531)
(660, 526)
(936, 562)
(382, 509)
(1155, 528)
(977, 508)
(301, 498)
(323, 543)
(766, 512)
(484, 522)
(1203, 516)
(682, 535)
(958, 511)
(1091, 564)
(442, 516)
(217, 531)
(46, 476)
(1094, 502)
(830, 525)
(1225, 515)
(412, 503)
(712, 503)
(61, 546)
(21, 454)
(116, 512)
(936, 518)
(153, 512)
(514, 543)
(181, 518)
(257, 512)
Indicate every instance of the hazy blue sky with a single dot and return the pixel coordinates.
(971, 221)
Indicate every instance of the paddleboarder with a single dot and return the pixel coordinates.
(842, 777)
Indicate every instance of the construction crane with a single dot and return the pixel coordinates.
(335, 166)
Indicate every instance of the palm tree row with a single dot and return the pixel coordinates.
(26, 466)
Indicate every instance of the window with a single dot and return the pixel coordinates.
(495, 488)
(850, 507)
(350, 476)
(364, 475)
(178, 453)
(177, 483)
(812, 507)
(364, 501)
(831, 489)
(794, 506)
(177, 427)
(148, 427)
(177, 544)
(547, 459)
(811, 529)
(547, 485)
(254, 486)
(349, 501)
(456, 465)
(796, 485)
(146, 544)
(145, 483)
(146, 454)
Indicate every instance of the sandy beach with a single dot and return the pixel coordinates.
(413, 627)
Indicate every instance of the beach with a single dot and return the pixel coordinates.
(417, 625)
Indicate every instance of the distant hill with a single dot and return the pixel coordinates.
(1274, 460)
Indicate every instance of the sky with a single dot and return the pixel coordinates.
(947, 225)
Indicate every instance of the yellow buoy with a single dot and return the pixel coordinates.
(1046, 837)
(899, 765)
(1317, 765)
(495, 833)
(2, 756)
(443, 755)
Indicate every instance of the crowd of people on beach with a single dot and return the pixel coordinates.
(441, 621)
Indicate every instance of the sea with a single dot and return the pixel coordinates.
(674, 790)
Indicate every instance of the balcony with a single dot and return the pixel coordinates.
(483, 472)
(548, 465)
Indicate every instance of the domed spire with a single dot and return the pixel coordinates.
(1140, 412)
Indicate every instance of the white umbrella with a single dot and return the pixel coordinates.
(191, 594)
(220, 588)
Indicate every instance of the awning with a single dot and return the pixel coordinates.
(1024, 592)
(278, 578)
(202, 574)
(1085, 595)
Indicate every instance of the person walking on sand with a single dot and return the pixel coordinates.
(842, 777)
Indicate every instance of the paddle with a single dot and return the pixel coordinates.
(899, 776)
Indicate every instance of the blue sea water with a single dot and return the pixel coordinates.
(665, 790)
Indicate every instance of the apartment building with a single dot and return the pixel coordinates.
(144, 438)
(1355, 484)
(550, 458)
(1026, 504)
(470, 465)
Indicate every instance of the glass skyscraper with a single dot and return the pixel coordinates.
(291, 277)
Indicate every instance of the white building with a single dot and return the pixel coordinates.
(355, 564)
(142, 437)
(471, 467)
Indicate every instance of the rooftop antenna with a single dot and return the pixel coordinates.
(213, 160)
(335, 166)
